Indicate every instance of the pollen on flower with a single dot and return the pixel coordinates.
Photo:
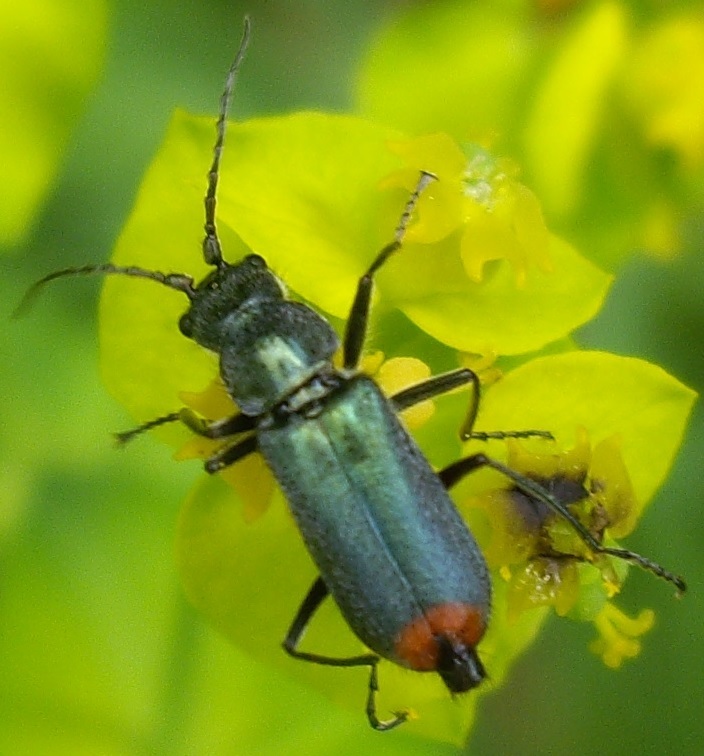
(480, 176)
(538, 554)
(619, 634)
(543, 582)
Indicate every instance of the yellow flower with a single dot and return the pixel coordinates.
(401, 372)
(619, 634)
(541, 557)
(496, 216)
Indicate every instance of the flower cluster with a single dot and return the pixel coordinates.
(540, 555)
(477, 197)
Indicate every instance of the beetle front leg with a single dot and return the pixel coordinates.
(228, 426)
(357, 321)
(125, 436)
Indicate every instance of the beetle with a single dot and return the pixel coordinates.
(391, 548)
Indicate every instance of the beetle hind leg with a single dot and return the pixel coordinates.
(315, 597)
(454, 472)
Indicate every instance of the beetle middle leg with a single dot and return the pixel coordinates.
(227, 426)
(440, 384)
(315, 597)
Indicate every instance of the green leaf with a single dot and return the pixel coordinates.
(453, 66)
(566, 115)
(46, 78)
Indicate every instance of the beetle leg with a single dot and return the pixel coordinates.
(433, 386)
(315, 597)
(228, 426)
(124, 436)
(230, 454)
(356, 329)
(440, 384)
(502, 435)
(454, 472)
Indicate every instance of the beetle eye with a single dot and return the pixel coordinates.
(185, 325)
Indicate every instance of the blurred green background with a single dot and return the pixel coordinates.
(99, 654)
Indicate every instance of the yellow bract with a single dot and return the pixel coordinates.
(497, 217)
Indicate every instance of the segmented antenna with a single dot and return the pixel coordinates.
(426, 177)
(211, 244)
(178, 281)
(212, 251)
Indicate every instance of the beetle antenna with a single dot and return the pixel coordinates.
(212, 251)
(426, 177)
(177, 281)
